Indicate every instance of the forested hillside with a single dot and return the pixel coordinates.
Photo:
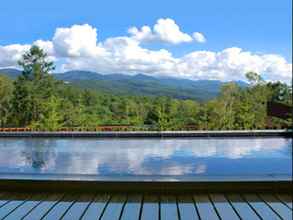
(38, 100)
(140, 84)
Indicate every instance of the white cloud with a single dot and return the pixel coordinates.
(76, 41)
(124, 55)
(232, 64)
(169, 31)
(77, 47)
(10, 54)
(144, 34)
(165, 30)
(48, 47)
(199, 37)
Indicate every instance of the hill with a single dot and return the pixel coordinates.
(140, 84)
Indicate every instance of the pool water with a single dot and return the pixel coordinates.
(147, 158)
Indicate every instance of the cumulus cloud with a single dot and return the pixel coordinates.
(165, 30)
(76, 41)
(10, 54)
(123, 55)
(78, 47)
(232, 64)
(199, 37)
(48, 47)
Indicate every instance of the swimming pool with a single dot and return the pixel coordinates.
(190, 159)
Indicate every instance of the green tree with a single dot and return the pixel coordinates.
(254, 78)
(35, 64)
(33, 87)
(228, 97)
(6, 89)
(50, 120)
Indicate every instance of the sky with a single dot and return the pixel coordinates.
(187, 39)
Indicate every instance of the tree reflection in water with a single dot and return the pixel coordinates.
(40, 153)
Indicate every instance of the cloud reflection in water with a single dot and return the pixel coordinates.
(180, 156)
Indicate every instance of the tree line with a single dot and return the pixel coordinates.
(37, 100)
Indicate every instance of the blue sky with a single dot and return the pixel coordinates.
(259, 26)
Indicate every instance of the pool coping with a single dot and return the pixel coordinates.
(17, 185)
(154, 134)
(274, 185)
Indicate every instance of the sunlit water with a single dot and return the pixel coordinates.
(178, 157)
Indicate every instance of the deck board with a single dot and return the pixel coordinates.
(187, 208)
(260, 207)
(169, 209)
(223, 207)
(150, 208)
(78, 208)
(242, 207)
(45, 206)
(26, 207)
(96, 208)
(279, 208)
(16, 200)
(61, 207)
(132, 208)
(3, 199)
(114, 208)
(205, 208)
(37, 206)
(286, 199)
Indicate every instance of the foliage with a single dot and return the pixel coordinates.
(34, 87)
(38, 100)
(6, 89)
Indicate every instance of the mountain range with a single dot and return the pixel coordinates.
(140, 84)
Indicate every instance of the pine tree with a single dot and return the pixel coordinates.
(34, 87)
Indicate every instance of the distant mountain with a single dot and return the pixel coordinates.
(139, 84)
(144, 85)
(11, 73)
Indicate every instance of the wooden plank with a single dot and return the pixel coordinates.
(150, 208)
(225, 210)
(249, 206)
(114, 208)
(169, 209)
(205, 207)
(3, 199)
(24, 209)
(282, 210)
(187, 208)
(96, 208)
(242, 207)
(132, 208)
(77, 209)
(286, 199)
(39, 211)
(260, 207)
(16, 200)
(61, 207)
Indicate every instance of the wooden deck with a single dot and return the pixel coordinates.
(34, 206)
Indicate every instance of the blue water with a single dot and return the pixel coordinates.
(114, 158)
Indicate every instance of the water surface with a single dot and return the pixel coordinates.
(146, 158)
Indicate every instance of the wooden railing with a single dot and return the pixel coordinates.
(99, 128)
(15, 129)
(109, 128)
